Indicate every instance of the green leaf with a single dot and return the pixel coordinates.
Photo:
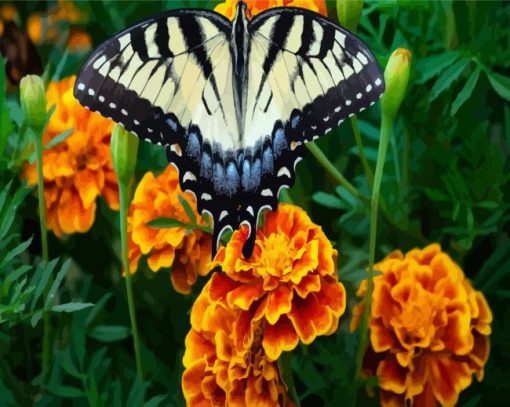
(36, 317)
(71, 306)
(466, 91)
(16, 251)
(167, 223)
(500, 83)
(67, 391)
(99, 306)
(434, 65)
(447, 78)
(56, 284)
(45, 272)
(58, 139)
(155, 401)
(187, 208)
(110, 333)
(328, 200)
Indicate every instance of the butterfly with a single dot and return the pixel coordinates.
(232, 102)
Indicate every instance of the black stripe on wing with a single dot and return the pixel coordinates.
(125, 106)
(360, 81)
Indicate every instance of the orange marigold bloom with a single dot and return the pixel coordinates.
(188, 253)
(77, 170)
(79, 41)
(428, 328)
(216, 373)
(289, 284)
(228, 7)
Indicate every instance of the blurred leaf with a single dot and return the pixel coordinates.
(434, 65)
(155, 401)
(67, 391)
(500, 83)
(43, 273)
(328, 200)
(448, 77)
(71, 306)
(15, 252)
(466, 91)
(58, 139)
(110, 333)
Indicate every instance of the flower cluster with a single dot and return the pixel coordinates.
(228, 7)
(428, 328)
(53, 25)
(78, 169)
(187, 251)
(287, 291)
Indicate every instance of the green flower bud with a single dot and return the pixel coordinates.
(124, 147)
(349, 13)
(396, 76)
(33, 100)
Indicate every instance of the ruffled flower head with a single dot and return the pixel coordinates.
(428, 328)
(228, 7)
(289, 286)
(216, 372)
(188, 252)
(77, 170)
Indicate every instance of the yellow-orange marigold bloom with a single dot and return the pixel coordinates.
(428, 328)
(187, 252)
(79, 41)
(216, 373)
(228, 7)
(289, 284)
(77, 170)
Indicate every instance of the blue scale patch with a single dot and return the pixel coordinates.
(279, 142)
(267, 161)
(193, 147)
(245, 175)
(206, 166)
(232, 179)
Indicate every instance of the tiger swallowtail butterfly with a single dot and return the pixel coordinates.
(232, 102)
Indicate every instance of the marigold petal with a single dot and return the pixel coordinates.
(161, 258)
(279, 338)
(244, 295)
(448, 378)
(392, 377)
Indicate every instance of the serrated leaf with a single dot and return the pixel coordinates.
(71, 306)
(187, 208)
(466, 91)
(99, 306)
(434, 65)
(447, 78)
(56, 284)
(500, 83)
(110, 333)
(46, 272)
(16, 251)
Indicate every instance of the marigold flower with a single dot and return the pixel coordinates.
(77, 170)
(428, 328)
(289, 284)
(187, 252)
(216, 373)
(228, 7)
(79, 41)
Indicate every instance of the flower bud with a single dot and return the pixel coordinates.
(124, 147)
(396, 76)
(349, 13)
(33, 100)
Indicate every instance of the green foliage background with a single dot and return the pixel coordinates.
(446, 180)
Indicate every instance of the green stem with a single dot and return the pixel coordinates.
(386, 127)
(337, 175)
(284, 364)
(361, 151)
(46, 345)
(124, 198)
